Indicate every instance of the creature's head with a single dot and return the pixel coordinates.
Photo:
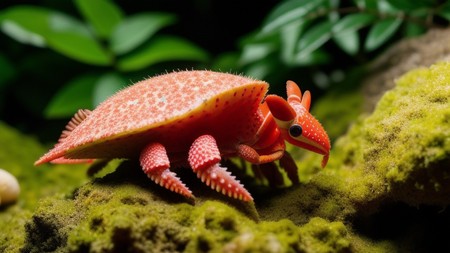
(296, 124)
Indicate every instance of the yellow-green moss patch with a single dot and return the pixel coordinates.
(112, 216)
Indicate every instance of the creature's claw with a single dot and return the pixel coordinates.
(251, 155)
(325, 160)
(155, 163)
(219, 179)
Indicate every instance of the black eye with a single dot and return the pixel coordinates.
(295, 130)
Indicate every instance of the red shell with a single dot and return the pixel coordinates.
(172, 109)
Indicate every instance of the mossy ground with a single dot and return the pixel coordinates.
(396, 158)
(120, 213)
(17, 157)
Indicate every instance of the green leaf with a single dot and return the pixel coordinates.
(104, 15)
(60, 32)
(366, 4)
(370, 4)
(445, 11)
(79, 47)
(106, 86)
(72, 38)
(259, 70)
(60, 22)
(345, 31)
(22, 35)
(384, 6)
(135, 30)
(74, 95)
(348, 41)
(413, 29)
(26, 24)
(289, 40)
(288, 12)
(353, 22)
(255, 52)
(226, 62)
(381, 32)
(314, 38)
(333, 7)
(359, 3)
(408, 5)
(316, 57)
(160, 49)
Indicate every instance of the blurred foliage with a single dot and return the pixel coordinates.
(97, 48)
(333, 34)
(106, 38)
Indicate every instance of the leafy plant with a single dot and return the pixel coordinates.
(117, 44)
(304, 33)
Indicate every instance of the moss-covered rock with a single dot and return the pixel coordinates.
(117, 213)
(399, 153)
(17, 157)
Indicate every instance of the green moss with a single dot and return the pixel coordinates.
(402, 149)
(35, 182)
(117, 213)
(412, 151)
(329, 237)
(318, 235)
(12, 222)
(18, 156)
(337, 110)
(364, 244)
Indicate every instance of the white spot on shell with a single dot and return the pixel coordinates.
(9, 187)
(133, 102)
(162, 99)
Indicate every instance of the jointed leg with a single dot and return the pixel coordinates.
(155, 163)
(288, 164)
(251, 155)
(204, 158)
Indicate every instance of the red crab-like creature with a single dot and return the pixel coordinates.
(193, 119)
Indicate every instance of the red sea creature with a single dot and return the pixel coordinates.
(192, 119)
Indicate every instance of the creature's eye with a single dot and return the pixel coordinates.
(295, 130)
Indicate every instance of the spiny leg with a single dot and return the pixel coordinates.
(204, 158)
(155, 163)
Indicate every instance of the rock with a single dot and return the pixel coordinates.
(9, 188)
(406, 55)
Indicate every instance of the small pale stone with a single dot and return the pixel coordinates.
(9, 187)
